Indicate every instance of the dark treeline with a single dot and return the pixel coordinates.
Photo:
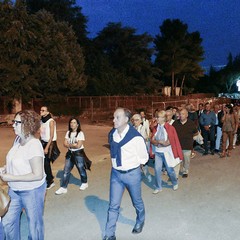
(45, 52)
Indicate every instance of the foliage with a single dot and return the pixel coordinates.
(39, 56)
(120, 62)
(178, 53)
(63, 10)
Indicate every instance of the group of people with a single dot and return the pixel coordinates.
(28, 169)
(167, 138)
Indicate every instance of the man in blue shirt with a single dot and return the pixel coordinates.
(207, 122)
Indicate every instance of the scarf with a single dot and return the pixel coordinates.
(115, 148)
(46, 118)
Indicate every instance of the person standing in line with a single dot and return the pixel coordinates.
(229, 128)
(167, 147)
(74, 140)
(218, 127)
(186, 129)
(26, 178)
(48, 135)
(207, 122)
(128, 151)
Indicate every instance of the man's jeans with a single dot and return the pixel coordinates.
(70, 161)
(218, 138)
(118, 182)
(159, 161)
(1, 231)
(186, 160)
(33, 203)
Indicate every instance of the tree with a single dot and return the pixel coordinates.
(63, 10)
(124, 60)
(178, 53)
(39, 56)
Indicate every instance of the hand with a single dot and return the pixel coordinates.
(46, 151)
(206, 128)
(3, 170)
(6, 177)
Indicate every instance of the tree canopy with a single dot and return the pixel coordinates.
(39, 56)
(178, 53)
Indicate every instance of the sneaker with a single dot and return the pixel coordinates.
(83, 186)
(193, 154)
(156, 191)
(61, 191)
(175, 187)
(51, 185)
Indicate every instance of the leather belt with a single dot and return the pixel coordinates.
(126, 171)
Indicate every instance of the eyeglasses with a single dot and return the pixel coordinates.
(16, 122)
(42, 110)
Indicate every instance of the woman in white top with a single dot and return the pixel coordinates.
(25, 176)
(75, 156)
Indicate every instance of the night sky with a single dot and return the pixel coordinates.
(218, 21)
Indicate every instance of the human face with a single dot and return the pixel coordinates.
(44, 111)
(169, 115)
(161, 119)
(207, 107)
(119, 119)
(142, 114)
(183, 115)
(74, 125)
(136, 122)
(17, 125)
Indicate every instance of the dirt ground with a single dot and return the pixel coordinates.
(206, 205)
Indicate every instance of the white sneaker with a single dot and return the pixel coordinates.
(51, 185)
(175, 187)
(61, 190)
(156, 191)
(83, 186)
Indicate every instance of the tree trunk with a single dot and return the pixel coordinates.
(173, 86)
(181, 88)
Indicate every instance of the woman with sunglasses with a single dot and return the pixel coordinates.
(74, 140)
(25, 176)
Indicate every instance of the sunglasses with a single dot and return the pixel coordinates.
(16, 122)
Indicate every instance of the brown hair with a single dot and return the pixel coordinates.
(30, 122)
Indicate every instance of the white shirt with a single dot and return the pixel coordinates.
(146, 126)
(133, 153)
(45, 131)
(73, 139)
(159, 148)
(18, 163)
(141, 129)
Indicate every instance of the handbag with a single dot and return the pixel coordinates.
(53, 152)
(4, 202)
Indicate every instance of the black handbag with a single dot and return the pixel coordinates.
(53, 151)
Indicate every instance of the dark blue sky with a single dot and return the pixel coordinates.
(218, 21)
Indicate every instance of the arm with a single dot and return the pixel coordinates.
(74, 145)
(37, 173)
(51, 125)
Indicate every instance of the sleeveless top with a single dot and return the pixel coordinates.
(45, 131)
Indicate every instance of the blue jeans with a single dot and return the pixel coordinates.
(1, 231)
(118, 182)
(159, 161)
(70, 161)
(33, 203)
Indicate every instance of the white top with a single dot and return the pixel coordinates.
(133, 153)
(145, 123)
(160, 148)
(73, 139)
(45, 131)
(141, 129)
(18, 163)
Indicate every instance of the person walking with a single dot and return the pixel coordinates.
(128, 151)
(48, 136)
(186, 129)
(26, 178)
(207, 122)
(167, 151)
(74, 140)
